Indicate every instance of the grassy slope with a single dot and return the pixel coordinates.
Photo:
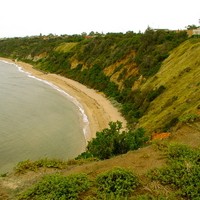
(65, 47)
(180, 75)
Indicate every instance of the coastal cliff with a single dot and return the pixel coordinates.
(153, 79)
(150, 77)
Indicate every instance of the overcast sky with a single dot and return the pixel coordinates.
(19, 18)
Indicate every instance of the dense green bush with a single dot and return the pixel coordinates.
(155, 93)
(116, 184)
(111, 141)
(27, 165)
(170, 123)
(182, 171)
(119, 181)
(190, 118)
(59, 187)
(33, 166)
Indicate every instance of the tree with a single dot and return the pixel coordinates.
(112, 141)
(83, 34)
(92, 33)
(102, 146)
(191, 27)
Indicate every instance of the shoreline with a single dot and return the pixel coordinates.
(97, 108)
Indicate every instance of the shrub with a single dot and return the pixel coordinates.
(170, 124)
(57, 186)
(111, 141)
(177, 151)
(85, 155)
(119, 181)
(155, 93)
(4, 175)
(190, 118)
(23, 166)
(110, 196)
(182, 171)
(148, 197)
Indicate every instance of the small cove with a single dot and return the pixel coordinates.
(37, 120)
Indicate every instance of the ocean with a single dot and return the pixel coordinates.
(37, 119)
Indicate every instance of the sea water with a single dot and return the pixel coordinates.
(37, 119)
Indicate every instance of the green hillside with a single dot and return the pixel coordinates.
(116, 64)
(153, 78)
(65, 47)
(180, 100)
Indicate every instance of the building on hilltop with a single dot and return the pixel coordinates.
(166, 30)
(191, 32)
(196, 31)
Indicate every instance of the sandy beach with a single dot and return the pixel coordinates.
(98, 109)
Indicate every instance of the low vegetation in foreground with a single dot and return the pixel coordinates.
(118, 182)
(178, 179)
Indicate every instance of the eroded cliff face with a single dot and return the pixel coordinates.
(156, 85)
(179, 75)
(38, 57)
(121, 71)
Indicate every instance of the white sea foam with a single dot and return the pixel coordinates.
(86, 129)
